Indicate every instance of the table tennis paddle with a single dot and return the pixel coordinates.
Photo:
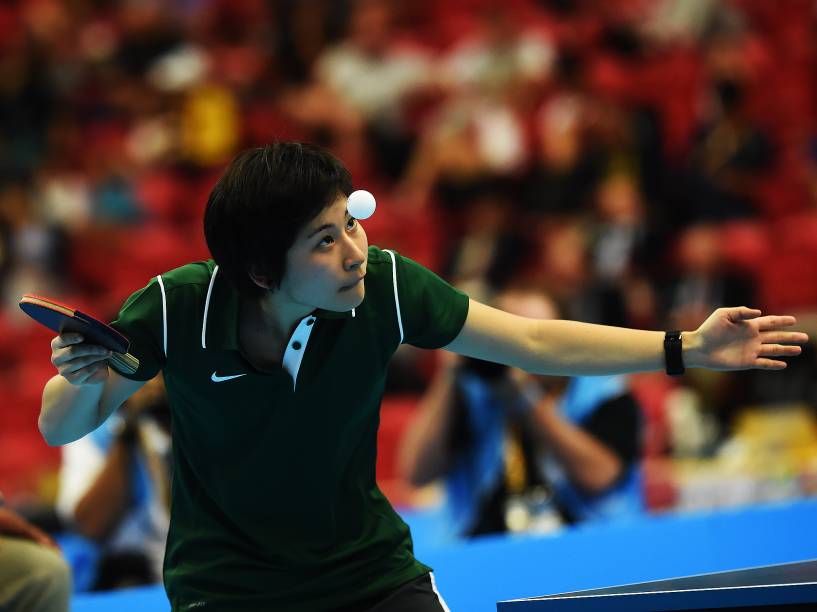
(62, 318)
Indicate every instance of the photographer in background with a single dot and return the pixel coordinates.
(525, 453)
(114, 491)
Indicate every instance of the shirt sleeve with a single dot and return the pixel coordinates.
(142, 321)
(432, 312)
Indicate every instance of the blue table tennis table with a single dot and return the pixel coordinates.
(786, 587)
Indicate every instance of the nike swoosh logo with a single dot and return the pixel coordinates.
(216, 378)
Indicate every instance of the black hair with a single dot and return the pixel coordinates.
(261, 202)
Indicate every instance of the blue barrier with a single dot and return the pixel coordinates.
(472, 577)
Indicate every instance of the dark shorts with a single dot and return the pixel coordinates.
(418, 595)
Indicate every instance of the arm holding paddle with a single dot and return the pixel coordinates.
(84, 393)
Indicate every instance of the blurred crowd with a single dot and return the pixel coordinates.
(643, 162)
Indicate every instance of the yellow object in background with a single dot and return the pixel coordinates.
(784, 426)
(210, 124)
(772, 456)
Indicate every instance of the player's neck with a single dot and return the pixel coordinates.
(274, 314)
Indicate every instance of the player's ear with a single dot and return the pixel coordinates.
(262, 280)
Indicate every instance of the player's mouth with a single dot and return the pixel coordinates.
(354, 284)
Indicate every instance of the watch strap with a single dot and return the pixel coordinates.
(673, 353)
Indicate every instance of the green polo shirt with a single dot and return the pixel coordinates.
(274, 503)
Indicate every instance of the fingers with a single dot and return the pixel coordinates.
(91, 374)
(66, 339)
(769, 364)
(768, 322)
(71, 361)
(779, 350)
(775, 350)
(777, 337)
(78, 362)
(771, 322)
(74, 345)
(98, 374)
(742, 312)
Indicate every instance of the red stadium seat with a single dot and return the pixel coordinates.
(396, 413)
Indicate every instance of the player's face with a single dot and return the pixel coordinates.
(326, 265)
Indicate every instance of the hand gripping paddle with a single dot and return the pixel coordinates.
(61, 318)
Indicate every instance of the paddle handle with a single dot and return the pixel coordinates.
(125, 362)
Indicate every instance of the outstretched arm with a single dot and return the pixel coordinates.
(730, 339)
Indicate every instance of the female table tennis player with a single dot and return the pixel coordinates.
(274, 355)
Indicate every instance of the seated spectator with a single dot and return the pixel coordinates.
(618, 254)
(33, 575)
(703, 279)
(114, 490)
(361, 86)
(729, 153)
(520, 452)
(567, 162)
(492, 81)
(31, 248)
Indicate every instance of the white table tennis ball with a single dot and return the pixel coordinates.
(361, 204)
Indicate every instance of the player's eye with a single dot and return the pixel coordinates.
(326, 241)
(351, 223)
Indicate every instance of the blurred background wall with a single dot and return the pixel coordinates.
(642, 161)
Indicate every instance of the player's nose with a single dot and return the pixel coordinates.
(355, 257)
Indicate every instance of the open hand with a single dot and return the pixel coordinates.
(741, 339)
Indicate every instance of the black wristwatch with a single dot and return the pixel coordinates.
(673, 354)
